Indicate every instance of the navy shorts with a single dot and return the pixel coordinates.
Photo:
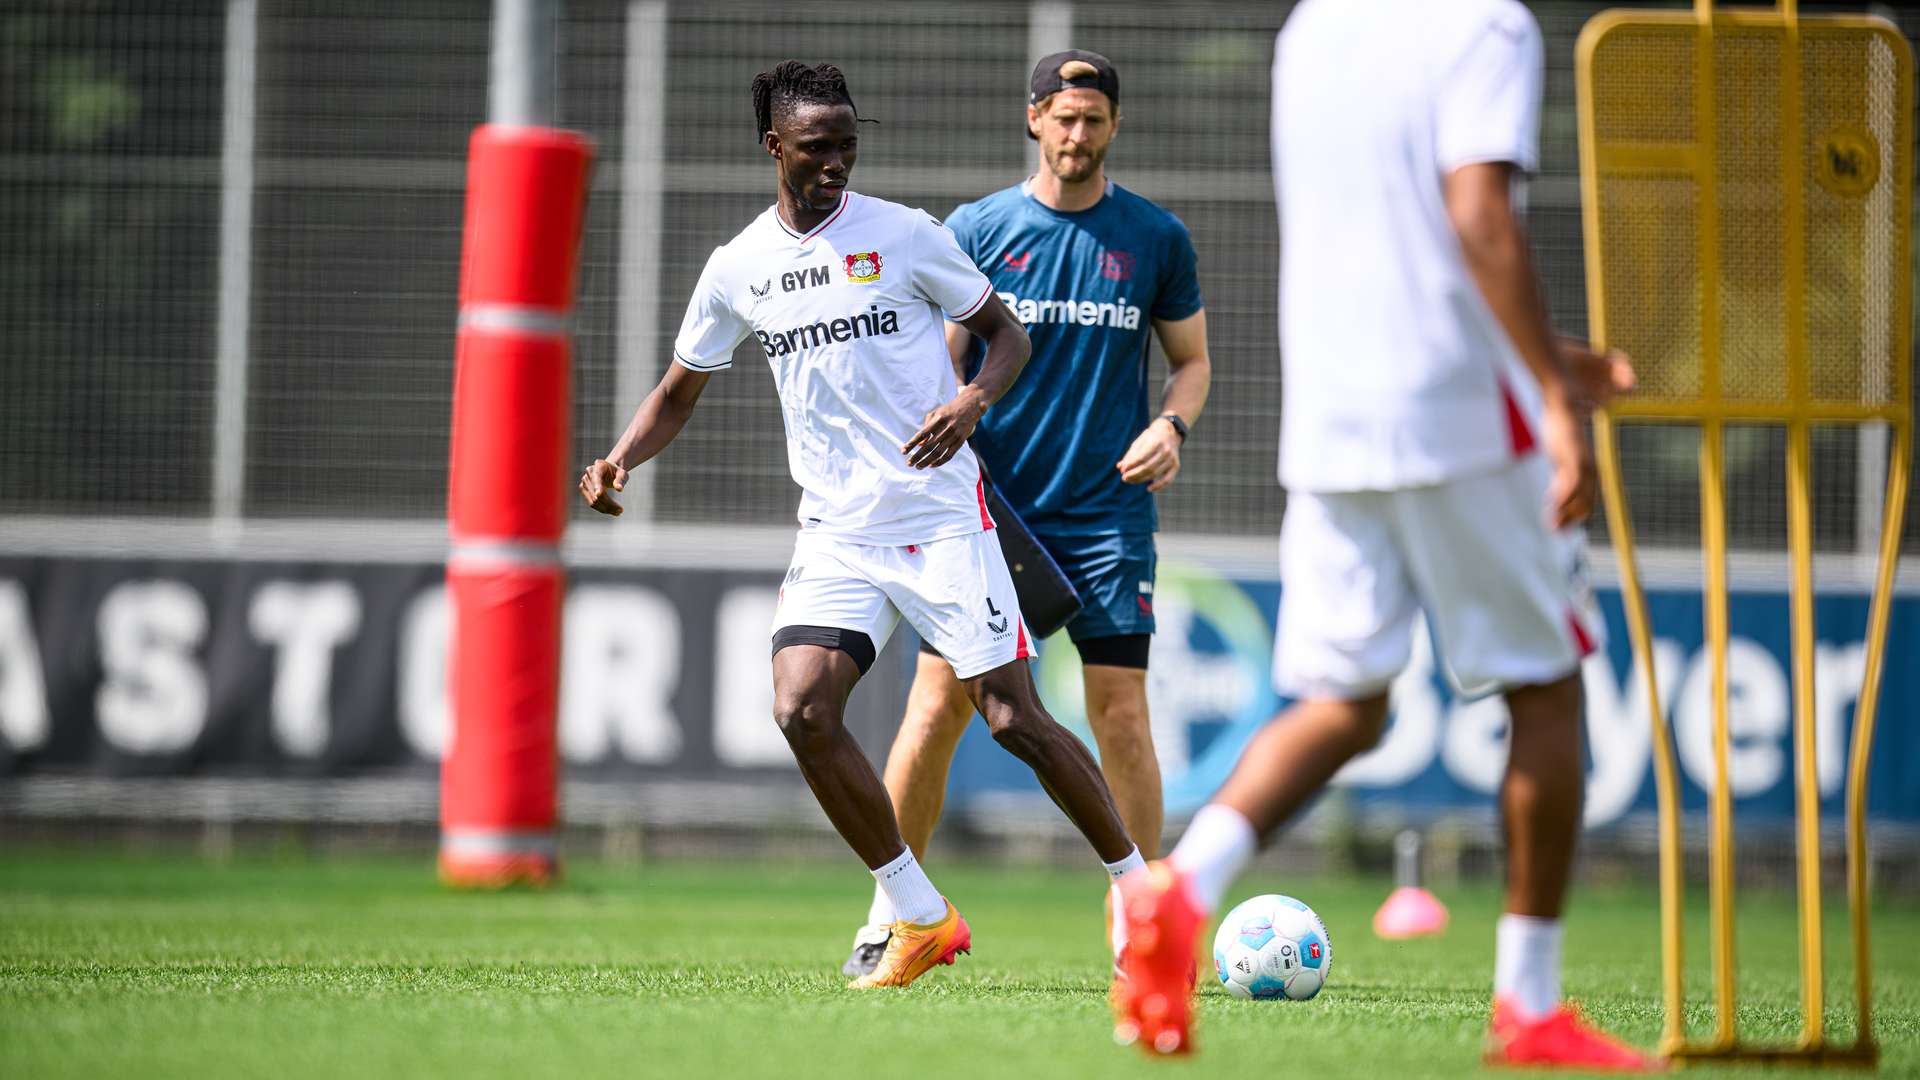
(1114, 576)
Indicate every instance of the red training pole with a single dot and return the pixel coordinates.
(506, 509)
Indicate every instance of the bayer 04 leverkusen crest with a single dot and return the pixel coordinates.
(863, 266)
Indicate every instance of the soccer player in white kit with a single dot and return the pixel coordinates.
(1433, 445)
(847, 297)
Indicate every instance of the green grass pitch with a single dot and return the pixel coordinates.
(165, 966)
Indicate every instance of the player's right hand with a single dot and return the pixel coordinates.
(1575, 476)
(598, 484)
(1593, 378)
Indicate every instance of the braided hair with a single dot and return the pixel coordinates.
(792, 83)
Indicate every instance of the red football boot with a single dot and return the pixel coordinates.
(1562, 1039)
(1154, 1001)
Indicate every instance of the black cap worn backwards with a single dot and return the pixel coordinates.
(1075, 68)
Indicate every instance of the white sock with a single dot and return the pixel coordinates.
(915, 900)
(1217, 844)
(1131, 862)
(1117, 929)
(1526, 963)
(880, 912)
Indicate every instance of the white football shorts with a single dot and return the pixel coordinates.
(956, 592)
(1506, 596)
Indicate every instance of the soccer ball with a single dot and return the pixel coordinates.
(1272, 947)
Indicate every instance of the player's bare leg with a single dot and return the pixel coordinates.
(1541, 796)
(810, 689)
(938, 711)
(1008, 700)
(1292, 758)
(1540, 800)
(1117, 712)
(1285, 765)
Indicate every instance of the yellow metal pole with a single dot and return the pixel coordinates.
(1666, 777)
(1713, 522)
(1799, 525)
(1806, 774)
(1713, 542)
(1866, 710)
(1639, 625)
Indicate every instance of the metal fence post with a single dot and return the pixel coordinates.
(1049, 30)
(642, 214)
(522, 69)
(235, 297)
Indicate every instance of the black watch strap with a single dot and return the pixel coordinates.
(1179, 425)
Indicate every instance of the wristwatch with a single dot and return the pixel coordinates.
(1179, 425)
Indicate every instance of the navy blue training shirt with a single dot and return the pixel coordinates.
(1088, 284)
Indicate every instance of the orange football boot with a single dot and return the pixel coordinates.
(1155, 998)
(914, 949)
(1116, 995)
(1562, 1039)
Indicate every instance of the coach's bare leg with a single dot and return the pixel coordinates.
(1540, 798)
(938, 711)
(1292, 758)
(810, 688)
(1117, 712)
(1007, 699)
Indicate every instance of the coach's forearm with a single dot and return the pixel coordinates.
(1188, 383)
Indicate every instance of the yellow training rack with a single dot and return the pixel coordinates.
(1747, 183)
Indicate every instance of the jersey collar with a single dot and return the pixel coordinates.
(845, 198)
(1026, 188)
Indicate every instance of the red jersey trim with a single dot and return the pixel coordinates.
(1519, 434)
(1021, 650)
(974, 308)
(817, 229)
(980, 493)
(1582, 641)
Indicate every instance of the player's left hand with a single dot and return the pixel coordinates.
(1154, 457)
(945, 430)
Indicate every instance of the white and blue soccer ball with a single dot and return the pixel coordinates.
(1272, 947)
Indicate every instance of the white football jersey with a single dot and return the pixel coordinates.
(1395, 372)
(851, 318)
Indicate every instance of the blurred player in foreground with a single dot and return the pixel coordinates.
(1095, 272)
(1434, 450)
(842, 293)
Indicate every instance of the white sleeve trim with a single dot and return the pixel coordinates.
(725, 363)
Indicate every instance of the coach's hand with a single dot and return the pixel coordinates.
(1154, 457)
(945, 430)
(598, 484)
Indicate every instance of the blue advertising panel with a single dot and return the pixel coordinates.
(1210, 691)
